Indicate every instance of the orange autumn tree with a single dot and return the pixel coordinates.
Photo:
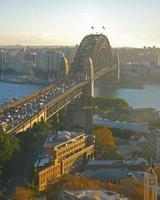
(134, 189)
(105, 143)
(22, 193)
(72, 182)
(157, 171)
(112, 186)
(129, 187)
(104, 138)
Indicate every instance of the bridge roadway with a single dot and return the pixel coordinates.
(56, 104)
(50, 108)
(97, 75)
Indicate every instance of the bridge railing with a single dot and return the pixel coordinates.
(17, 103)
(58, 99)
(48, 105)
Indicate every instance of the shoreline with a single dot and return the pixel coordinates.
(142, 86)
(23, 82)
(11, 98)
(16, 79)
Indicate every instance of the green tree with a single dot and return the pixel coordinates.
(108, 103)
(32, 135)
(111, 154)
(1, 130)
(125, 134)
(9, 145)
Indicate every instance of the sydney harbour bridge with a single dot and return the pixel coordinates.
(93, 60)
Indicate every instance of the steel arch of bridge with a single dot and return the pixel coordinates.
(91, 47)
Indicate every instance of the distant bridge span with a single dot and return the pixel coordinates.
(92, 60)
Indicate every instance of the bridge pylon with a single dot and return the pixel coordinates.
(91, 84)
(117, 64)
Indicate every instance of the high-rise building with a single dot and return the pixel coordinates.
(150, 185)
(3, 57)
(158, 62)
(40, 60)
(30, 56)
(50, 60)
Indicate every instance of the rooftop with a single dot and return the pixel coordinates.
(114, 175)
(59, 140)
(118, 162)
(42, 161)
(62, 138)
(94, 194)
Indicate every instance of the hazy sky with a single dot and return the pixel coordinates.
(66, 22)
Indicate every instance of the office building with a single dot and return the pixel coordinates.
(60, 154)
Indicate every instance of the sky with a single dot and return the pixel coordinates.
(131, 23)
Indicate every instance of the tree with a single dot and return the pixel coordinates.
(157, 171)
(104, 138)
(125, 134)
(108, 103)
(69, 182)
(134, 189)
(22, 193)
(1, 130)
(106, 143)
(1, 195)
(32, 135)
(129, 187)
(40, 127)
(9, 145)
(111, 154)
(34, 188)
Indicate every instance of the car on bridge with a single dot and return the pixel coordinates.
(13, 116)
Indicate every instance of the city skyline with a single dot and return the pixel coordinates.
(79, 99)
(37, 22)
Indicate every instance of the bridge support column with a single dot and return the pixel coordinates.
(79, 116)
(92, 156)
(117, 64)
(91, 84)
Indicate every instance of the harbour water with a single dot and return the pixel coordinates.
(10, 90)
(149, 96)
